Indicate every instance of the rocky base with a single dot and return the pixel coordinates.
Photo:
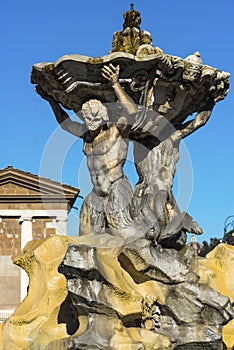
(217, 271)
(37, 320)
(131, 297)
(202, 346)
(143, 288)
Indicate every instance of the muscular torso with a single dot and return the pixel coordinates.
(106, 153)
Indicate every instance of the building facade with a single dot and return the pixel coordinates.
(31, 207)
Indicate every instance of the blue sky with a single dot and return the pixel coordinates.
(44, 31)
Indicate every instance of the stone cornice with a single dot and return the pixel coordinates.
(46, 190)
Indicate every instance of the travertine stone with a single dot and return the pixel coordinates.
(145, 99)
(156, 125)
(125, 276)
(36, 321)
(122, 296)
(216, 269)
(126, 339)
(129, 287)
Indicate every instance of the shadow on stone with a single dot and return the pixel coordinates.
(68, 315)
(202, 346)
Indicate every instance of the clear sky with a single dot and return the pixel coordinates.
(43, 31)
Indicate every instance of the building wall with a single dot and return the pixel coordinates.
(10, 247)
(42, 228)
(10, 233)
(9, 284)
(24, 217)
(10, 237)
(33, 206)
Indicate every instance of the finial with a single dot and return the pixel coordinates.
(197, 53)
(132, 18)
(195, 58)
(131, 37)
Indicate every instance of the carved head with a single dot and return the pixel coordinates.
(94, 114)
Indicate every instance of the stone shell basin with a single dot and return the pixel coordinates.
(171, 86)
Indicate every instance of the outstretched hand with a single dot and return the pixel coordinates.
(111, 73)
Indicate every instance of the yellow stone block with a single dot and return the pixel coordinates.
(35, 322)
(216, 269)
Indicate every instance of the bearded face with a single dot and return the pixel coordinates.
(94, 114)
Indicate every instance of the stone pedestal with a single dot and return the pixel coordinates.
(120, 291)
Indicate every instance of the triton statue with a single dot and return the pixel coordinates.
(106, 146)
(129, 277)
(157, 93)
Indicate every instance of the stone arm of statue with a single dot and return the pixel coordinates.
(111, 73)
(200, 120)
(62, 117)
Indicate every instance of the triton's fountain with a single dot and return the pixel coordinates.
(130, 279)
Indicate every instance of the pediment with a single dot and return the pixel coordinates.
(18, 184)
(13, 182)
(12, 188)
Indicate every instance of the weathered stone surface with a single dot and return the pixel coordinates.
(125, 287)
(83, 78)
(112, 206)
(216, 269)
(36, 321)
(202, 346)
(121, 296)
(136, 93)
(123, 339)
(128, 289)
(144, 98)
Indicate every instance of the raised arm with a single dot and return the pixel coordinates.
(200, 120)
(111, 73)
(62, 117)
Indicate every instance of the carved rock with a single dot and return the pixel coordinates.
(136, 297)
(139, 287)
(40, 317)
(216, 269)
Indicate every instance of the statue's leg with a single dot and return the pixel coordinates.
(137, 199)
(92, 217)
(160, 201)
(143, 210)
(118, 204)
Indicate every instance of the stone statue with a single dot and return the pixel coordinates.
(156, 168)
(153, 106)
(127, 273)
(111, 205)
(105, 146)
